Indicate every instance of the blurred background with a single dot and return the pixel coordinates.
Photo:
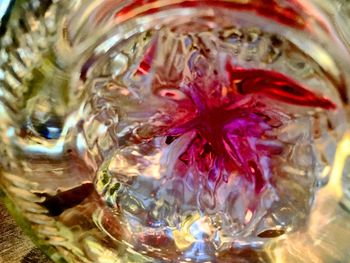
(15, 246)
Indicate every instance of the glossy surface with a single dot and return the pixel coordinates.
(176, 131)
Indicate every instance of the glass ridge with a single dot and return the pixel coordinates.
(177, 131)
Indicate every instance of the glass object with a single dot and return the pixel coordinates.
(177, 131)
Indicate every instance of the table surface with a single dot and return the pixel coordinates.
(15, 247)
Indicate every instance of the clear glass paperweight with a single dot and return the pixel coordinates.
(178, 130)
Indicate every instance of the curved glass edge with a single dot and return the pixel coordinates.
(50, 251)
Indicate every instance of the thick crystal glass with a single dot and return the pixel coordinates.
(177, 130)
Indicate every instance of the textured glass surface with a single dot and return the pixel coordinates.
(177, 131)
